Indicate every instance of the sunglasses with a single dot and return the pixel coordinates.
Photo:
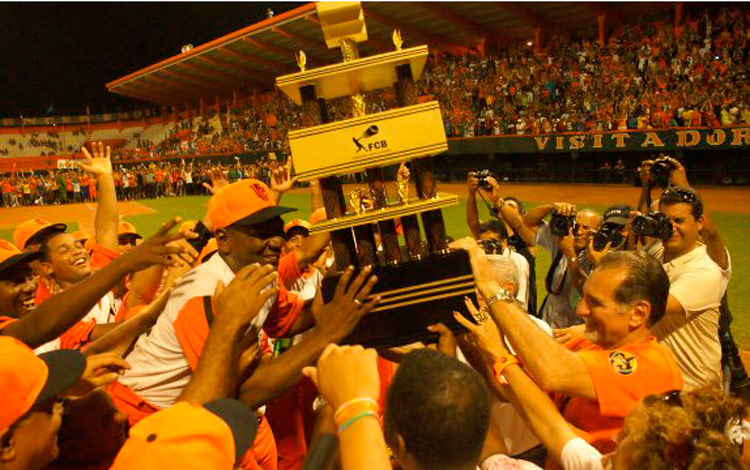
(671, 399)
(682, 194)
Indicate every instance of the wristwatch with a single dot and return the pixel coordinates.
(501, 294)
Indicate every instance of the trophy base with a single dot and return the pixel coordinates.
(415, 295)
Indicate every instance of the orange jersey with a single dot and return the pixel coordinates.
(622, 377)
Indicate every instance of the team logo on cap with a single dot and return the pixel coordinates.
(623, 363)
(41, 221)
(260, 191)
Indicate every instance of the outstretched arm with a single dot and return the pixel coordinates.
(107, 216)
(472, 212)
(58, 314)
(334, 321)
(554, 366)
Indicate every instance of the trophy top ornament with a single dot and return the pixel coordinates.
(301, 60)
(397, 41)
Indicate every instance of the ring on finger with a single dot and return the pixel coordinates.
(358, 302)
(480, 317)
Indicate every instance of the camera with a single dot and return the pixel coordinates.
(660, 171)
(560, 224)
(608, 233)
(482, 176)
(655, 224)
(492, 247)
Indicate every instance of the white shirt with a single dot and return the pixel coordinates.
(580, 455)
(698, 284)
(558, 310)
(159, 370)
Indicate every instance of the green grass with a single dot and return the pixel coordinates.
(732, 226)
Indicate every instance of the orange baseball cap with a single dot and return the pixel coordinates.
(296, 223)
(188, 436)
(11, 257)
(80, 235)
(246, 202)
(35, 230)
(27, 379)
(318, 215)
(126, 228)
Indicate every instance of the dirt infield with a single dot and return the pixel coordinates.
(81, 213)
(718, 199)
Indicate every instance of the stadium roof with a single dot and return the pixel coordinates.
(250, 58)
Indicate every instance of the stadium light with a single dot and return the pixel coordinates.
(529, 43)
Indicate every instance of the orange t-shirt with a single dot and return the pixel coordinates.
(622, 377)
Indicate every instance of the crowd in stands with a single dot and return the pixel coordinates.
(210, 345)
(647, 75)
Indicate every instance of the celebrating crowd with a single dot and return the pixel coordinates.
(209, 345)
(155, 180)
(648, 75)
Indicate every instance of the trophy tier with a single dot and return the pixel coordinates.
(349, 78)
(392, 211)
(370, 141)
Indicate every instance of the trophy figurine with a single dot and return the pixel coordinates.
(355, 200)
(420, 282)
(402, 183)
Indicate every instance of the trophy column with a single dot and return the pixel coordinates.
(314, 113)
(434, 226)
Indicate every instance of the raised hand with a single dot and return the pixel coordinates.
(678, 176)
(484, 278)
(101, 369)
(336, 319)
(346, 373)
(446, 341)
(100, 163)
(281, 178)
(242, 299)
(486, 335)
(593, 256)
(158, 249)
(644, 171)
(564, 208)
(218, 180)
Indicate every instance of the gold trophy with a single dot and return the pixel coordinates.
(423, 283)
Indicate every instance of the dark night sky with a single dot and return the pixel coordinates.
(64, 53)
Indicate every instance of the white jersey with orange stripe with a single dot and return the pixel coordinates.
(159, 369)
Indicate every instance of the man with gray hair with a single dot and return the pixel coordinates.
(513, 269)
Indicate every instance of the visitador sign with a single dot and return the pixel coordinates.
(673, 139)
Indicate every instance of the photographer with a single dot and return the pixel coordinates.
(662, 173)
(697, 285)
(503, 229)
(566, 237)
(739, 383)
